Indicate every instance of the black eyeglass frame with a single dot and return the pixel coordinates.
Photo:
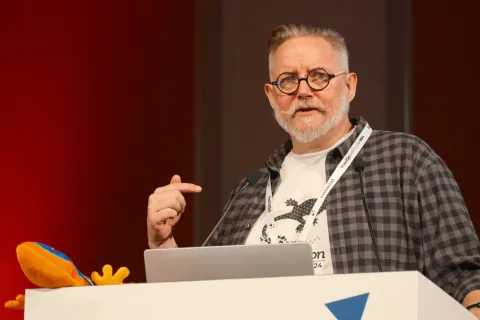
(329, 75)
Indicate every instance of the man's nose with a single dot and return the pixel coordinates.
(304, 90)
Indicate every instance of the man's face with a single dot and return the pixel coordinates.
(307, 114)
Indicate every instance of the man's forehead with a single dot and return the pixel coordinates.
(303, 53)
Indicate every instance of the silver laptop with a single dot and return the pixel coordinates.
(228, 262)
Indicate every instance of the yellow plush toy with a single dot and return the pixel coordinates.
(48, 268)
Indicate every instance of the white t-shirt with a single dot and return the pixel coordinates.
(302, 179)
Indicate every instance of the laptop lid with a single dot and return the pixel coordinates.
(228, 262)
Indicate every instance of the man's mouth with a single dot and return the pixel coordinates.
(306, 110)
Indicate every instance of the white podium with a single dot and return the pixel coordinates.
(373, 296)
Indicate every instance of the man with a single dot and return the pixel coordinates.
(414, 217)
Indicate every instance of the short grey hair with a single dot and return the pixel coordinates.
(285, 32)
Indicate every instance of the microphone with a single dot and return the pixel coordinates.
(359, 166)
(252, 178)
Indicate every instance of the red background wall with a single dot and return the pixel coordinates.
(96, 112)
(445, 87)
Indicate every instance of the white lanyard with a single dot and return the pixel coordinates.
(339, 171)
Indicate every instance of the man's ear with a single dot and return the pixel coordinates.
(268, 88)
(351, 85)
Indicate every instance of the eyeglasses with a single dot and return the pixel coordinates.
(317, 79)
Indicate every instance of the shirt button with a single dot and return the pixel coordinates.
(248, 225)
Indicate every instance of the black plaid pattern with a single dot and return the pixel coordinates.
(417, 211)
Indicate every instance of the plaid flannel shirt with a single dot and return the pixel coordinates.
(417, 211)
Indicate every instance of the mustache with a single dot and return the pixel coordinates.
(307, 104)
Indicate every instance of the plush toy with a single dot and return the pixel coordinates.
(48, 268)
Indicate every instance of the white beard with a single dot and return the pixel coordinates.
(309, 133)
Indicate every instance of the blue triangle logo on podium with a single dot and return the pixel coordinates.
(350, 308)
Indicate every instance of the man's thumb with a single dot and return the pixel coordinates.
(175, 179)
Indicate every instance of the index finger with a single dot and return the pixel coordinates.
(182, 187)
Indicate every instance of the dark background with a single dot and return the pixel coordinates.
(102, 102)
